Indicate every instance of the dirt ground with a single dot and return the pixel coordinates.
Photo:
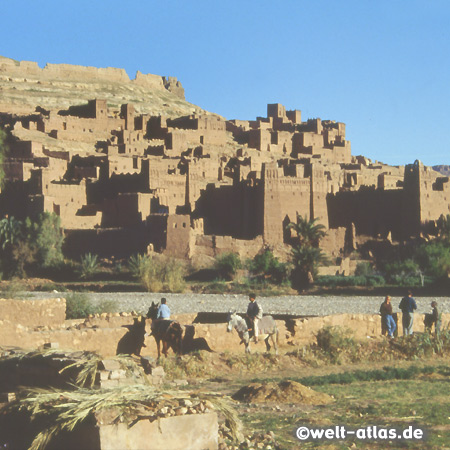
(271, 401)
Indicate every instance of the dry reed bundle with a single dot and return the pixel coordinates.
(65, 410)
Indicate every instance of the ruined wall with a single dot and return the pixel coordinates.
(212, 246)
(319, 188)
(164, 179)
(428, 192)
(374, 212)
(284, 197)
(77, 73)
(32, 313)
(200, 172)
(334, 241)
(118, 165)
(126, 209)
(67, 201)
(260, 139)
(231, 210)
(103, 334)
(178, 236)
(118, 242)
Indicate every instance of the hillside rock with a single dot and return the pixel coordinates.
(24, 86)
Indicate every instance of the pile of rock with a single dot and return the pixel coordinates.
(253, 441)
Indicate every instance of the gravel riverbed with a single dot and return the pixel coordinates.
(312, 305)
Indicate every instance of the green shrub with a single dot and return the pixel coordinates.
(227, 264)
(173, 275)
(334, 340)
(375, 280)
(341, 280)
(78, 306)
(420, 345)
(162, 275)
(402, 273)
(215, 287)
(89, 266)
(137, 264)
(263, 262)
(364, 269)
(106, 306)
(267, 265)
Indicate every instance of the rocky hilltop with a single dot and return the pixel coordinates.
(24, 86)
(442, 169)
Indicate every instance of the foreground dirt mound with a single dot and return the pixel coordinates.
(284, 392)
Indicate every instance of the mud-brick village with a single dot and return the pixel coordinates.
(176, 280)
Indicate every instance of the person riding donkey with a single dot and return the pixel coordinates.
(254, 315)
(162, 314)
(164, 330)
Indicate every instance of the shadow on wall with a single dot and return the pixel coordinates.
(133, 341)
(191, 344)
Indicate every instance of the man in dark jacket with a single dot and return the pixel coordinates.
(433, 318)
(386, 316)
(407, 306)
(254, 315)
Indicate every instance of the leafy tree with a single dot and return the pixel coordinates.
(306, 254)
(22, 254)
(268, 265)
(10, 231)
(406, 272)
(22, 243)
(46, 236)
(434, 258)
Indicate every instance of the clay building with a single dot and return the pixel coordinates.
(193, 184)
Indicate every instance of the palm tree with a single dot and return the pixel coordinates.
(306, 254)
(308, 232)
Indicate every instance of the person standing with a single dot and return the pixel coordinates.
(386, 316)
(433, 318)
(254, 314)
(407, 306)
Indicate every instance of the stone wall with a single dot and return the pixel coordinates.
(71, 72)
(194, 432)
(30, 324)
(32, 313)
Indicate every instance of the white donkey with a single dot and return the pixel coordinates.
(267, 329)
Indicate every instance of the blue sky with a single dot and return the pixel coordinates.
(382, 67)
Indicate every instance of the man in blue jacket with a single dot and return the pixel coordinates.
(163, 311)
(407, 306)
